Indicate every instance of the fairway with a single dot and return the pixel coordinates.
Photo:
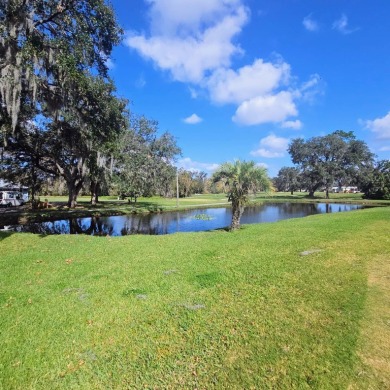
(297, 304)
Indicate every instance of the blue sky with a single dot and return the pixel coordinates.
(238, 79)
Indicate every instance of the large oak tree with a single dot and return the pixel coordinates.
(45, 43)
(334, 158)
(53, 78)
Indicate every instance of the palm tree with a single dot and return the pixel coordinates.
(241, 178)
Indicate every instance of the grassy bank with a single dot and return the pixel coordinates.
(299, 304)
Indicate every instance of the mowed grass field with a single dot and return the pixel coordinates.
(297, 304)
(209, 199)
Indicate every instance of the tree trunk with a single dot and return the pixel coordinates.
(327, 193)
(237, 210)
(74, 187)
(33, 184)
(74, 227)
(72, 198)
(94, 193)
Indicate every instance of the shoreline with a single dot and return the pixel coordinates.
(16, 215)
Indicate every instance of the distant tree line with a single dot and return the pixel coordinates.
(334, 160)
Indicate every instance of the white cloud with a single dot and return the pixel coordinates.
(170, 17)
(268, 108)
(309, 90)
(341, 25)
(266, 153)
(250, 81)
(271, 147)
(193, 41)
(296, 125)
(189, 165)
(384, 149)
(313, 81)
(380, 126)
(310, 24)
(191, 38)
(193, 119)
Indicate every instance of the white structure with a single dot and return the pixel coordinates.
(12, 195)
(344, 189)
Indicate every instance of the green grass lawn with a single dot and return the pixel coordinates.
(146, 204)
(298, 304)
(214, 199)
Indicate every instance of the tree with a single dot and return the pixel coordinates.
(20, 165)
(44, 43)
(334, 158)
(99, 174)
(288, 179)
(80, 138)
(185, 183)
(54, 77)
(214, 187)
(199, 182)
(68, 145)
(376, 184)
(143, 165)
(241, 179)
(191, 182)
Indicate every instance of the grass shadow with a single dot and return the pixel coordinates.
(4, 235)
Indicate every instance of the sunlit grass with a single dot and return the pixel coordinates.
(157, 203)
(282, 305)
(209, 199)
(374, 341)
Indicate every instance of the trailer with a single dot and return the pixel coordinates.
(12, 195)
(11, 198)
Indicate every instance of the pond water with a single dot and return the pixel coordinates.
(193, 220)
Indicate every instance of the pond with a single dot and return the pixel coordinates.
(193, 220)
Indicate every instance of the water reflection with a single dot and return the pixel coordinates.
(179, 221)
(92, 226)
(272, 212)
(147, 224)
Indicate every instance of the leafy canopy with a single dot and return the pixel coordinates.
(44, 43)
(334, 158)
(242, 178)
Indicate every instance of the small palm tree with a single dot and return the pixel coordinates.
(241, 178)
